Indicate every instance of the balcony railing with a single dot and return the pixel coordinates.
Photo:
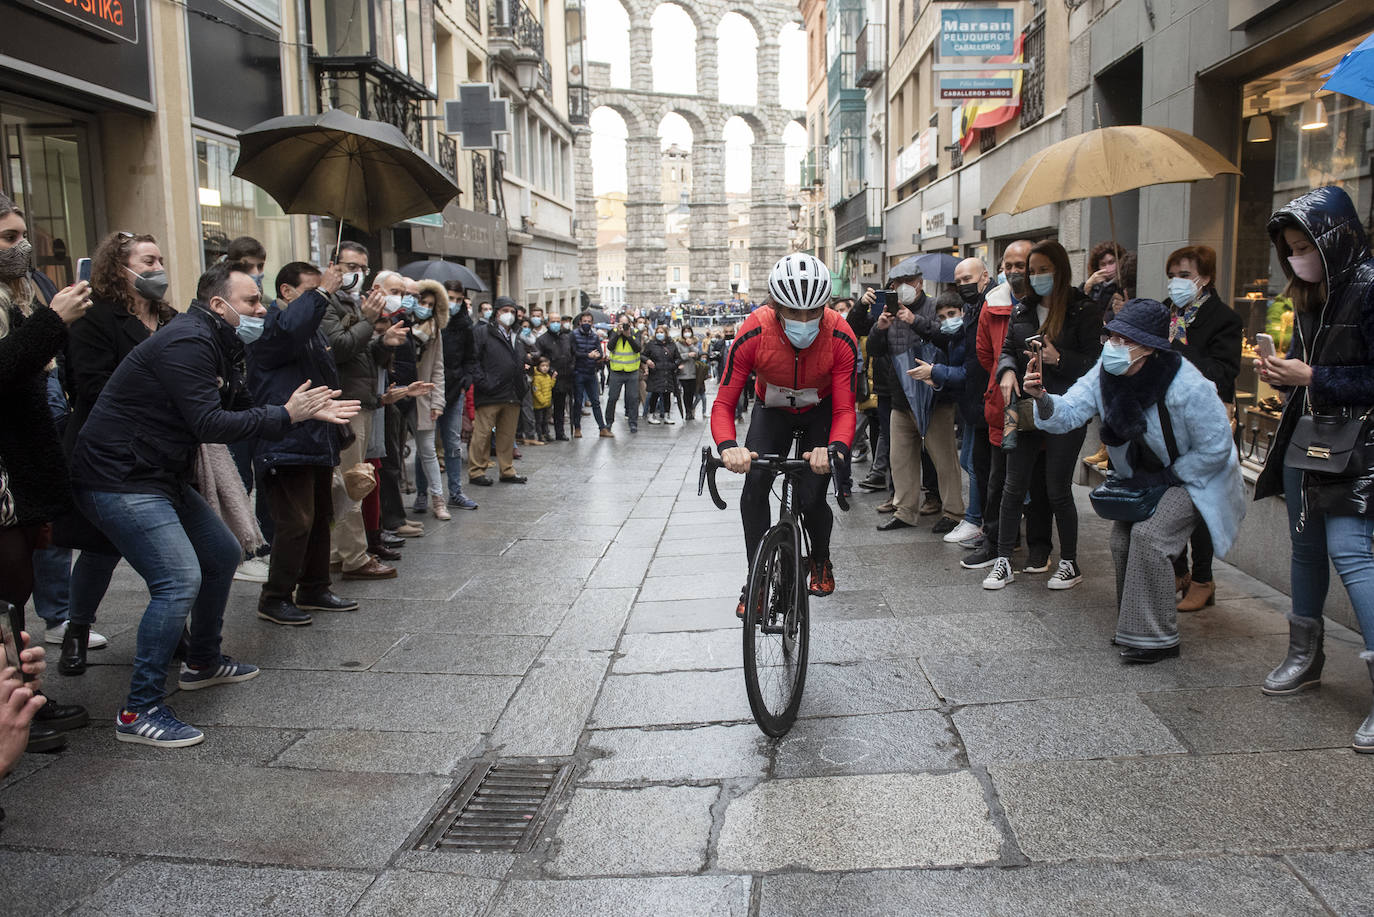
(859, 219)
(1033, 81)
(579, 105)
(447, 149)
(475, 14)
(870, 57)
(512, 21)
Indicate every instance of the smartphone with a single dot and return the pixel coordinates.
(1036, 343)
(11, 624)
(1264, 345)
(83, 269)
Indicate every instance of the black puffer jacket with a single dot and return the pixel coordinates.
(457, 338)
(664, 356)
(498, 365)
(29, 448)
(1338, 343)
(175, 391)
(1079, 343)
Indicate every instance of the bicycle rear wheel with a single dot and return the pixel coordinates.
(777, 635)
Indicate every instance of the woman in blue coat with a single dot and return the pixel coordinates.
(1137, 375)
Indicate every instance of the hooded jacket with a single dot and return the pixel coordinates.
(1337, 342)
(429, 350)
(992, 331)
(174, 392)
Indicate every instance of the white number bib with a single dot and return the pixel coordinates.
(777, 396)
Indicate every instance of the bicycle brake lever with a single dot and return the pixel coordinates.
(835, 471)
(709, 464)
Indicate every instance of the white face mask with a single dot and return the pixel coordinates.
(351, 281)
(906, 294)
(1308, 267)
(506, 318)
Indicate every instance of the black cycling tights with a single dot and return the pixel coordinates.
(770, 433)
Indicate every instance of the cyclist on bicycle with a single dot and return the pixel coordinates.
(803, 357)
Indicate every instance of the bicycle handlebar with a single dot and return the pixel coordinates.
(780, 464)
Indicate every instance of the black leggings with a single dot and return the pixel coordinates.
(17, 544)
(770, 433)
(1202, 555)
(1061, 454)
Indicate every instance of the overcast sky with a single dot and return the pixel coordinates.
(674, 71)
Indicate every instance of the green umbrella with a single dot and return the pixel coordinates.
(357, 171)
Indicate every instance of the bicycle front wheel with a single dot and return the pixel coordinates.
(777, 635)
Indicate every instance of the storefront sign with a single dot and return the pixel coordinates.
(976, 87)
(936, 222)
(108, 18)
(977, 32)
(915, 159)
(463, 234)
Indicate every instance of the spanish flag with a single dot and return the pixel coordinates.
(975, 114)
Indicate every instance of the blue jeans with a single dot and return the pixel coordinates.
(187, 557)
(52, 573)
(585, 384)
(973, 515)
(1343, 539)
(451, 440)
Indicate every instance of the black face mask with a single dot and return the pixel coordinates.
(1017, 279)
(968, 292)
(586, 327)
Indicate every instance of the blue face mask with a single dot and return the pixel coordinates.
(801, 334)
(536, 321)
(249, 328)
(1182, 292)
(453, 308)
(1042, 283)
(1116, 358)
(409, 303)
(1001, 277)
(555, 327)
(952, 325)
(422, 313)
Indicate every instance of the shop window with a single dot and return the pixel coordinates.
(1296, 139)
(231, 207)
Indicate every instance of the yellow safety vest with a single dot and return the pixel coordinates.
(623, 359)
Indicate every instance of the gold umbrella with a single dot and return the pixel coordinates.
(1108, 161)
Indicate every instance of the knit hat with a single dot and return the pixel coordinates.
(1144, 321)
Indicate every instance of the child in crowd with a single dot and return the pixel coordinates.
(544, 377)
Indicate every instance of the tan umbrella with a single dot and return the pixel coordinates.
(1108, 161)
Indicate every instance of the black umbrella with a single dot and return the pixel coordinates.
(444, 272)
(357, 171)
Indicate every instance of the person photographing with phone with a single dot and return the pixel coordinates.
(802, 356)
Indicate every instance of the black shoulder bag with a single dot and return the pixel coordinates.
(1118, 503)
(1330, 443)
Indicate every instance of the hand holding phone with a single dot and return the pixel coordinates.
(1036, 343)
(1264, 346)
(11, 626)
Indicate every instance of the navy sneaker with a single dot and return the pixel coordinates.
(462, 501)
(157, 726)
(226, 672)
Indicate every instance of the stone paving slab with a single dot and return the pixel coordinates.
(1106, 726)
(672, 698)
(880, 744)
(399, 893)
(228, 744)
(676, 755)
(38, 882)
(1342, 879)
(718, 565)
(1234, 886)
(593, 624)
(379, 752)
(352, 700)
(1155, 806)
(673, 652)
(460, 616)
(1226, 720)
(846, 823)
(461, 654)
(885, 686)
(634, 832)
(152, 888)
(857, 641)
(668, 588)
(253, 815)
(695, 896)
(549, 712)
(681, 615)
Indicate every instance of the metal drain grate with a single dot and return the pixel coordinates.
(500, 807)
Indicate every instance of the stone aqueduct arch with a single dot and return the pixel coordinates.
(643, 109)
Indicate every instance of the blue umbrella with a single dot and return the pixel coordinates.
(1354, 75)
(934, 266)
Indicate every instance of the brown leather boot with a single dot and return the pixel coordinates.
(1198, 596)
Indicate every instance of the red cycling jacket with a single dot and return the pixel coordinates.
(787, 378)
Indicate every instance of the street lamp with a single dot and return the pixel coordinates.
(527, 61)
(794, 212)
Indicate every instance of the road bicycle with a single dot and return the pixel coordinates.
(777, 620)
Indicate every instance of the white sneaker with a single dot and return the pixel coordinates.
(252, 570)
(961, 532)
(667, 418)
(1066, 577)
(1001, 575)
(653, 418)
(54, 635)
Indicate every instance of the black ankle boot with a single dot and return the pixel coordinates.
(72, 661)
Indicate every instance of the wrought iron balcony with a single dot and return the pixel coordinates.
(579, 105)
(841, 75)
(859, 219)
(447, 149)
(870, 57)
(479, 183)
(513, 23)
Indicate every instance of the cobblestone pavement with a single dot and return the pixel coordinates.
(959, 752)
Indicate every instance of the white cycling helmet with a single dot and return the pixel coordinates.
(800, 281)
